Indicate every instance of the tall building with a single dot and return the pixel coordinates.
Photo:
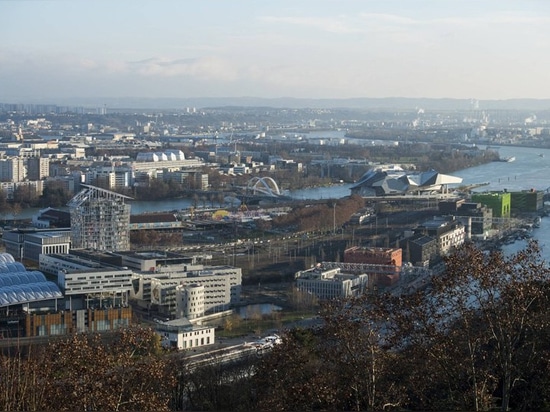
(38, 168)
(13, 169)
(100, 220)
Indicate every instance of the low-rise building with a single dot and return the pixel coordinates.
(499, 202)
(222, 289)
(390, 258)
(330, 283)
(449, 232)
(181, 334)
(33, 306)
(31, 243)
(421, 250)
(87, 284)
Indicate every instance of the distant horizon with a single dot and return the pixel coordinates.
(167, 103)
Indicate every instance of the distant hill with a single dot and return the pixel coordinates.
(399, 103)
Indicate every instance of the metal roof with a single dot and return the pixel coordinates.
(31, 292)
(17, 285)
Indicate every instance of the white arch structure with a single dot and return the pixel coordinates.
(263, 186)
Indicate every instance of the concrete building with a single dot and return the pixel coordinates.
(527, 201)
(421, 250)
(478, 218)
(448, 231)
(165, 280)
(88, 284)
(330, 283)
(38, 168)
(51, 218)
(190, 301)
(13, 169)
(100, 219)
(33, 306)
(156, 221)
(222, 289)
(157, 261)
(31, 243)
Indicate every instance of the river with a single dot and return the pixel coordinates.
(530, 170)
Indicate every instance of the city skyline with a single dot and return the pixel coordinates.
(308, 49)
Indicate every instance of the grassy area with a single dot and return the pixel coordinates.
(233, 326)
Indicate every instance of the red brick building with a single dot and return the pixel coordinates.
(388, 257)
(374, 256)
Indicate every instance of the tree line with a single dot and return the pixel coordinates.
(321, 216)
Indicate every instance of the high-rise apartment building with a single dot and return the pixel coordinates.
(38, 168)
(13, 169)
(100, 220)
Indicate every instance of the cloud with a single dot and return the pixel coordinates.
(209, 68)
(328, 24)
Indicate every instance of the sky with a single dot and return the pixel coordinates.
(480, 49)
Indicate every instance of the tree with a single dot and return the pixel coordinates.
(499, 298)
(25, 195)
(477, 340)
(4, 205)
(55, 194)
(341, 365)
(478, 331)
(121, 371)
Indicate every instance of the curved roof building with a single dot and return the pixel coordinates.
(26, 287)
(378, 182)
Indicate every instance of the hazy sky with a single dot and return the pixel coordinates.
(484, 49)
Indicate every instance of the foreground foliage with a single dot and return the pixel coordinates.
(89, 372)
(477, 340)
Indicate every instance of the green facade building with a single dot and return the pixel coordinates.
(499, 202)
(527, 201)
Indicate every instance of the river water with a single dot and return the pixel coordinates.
(530, 170)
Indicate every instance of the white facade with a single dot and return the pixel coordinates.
(451, 239)
(330, 283)
(95, 281)
(189, 301)
(182, 335)
(222, 287)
